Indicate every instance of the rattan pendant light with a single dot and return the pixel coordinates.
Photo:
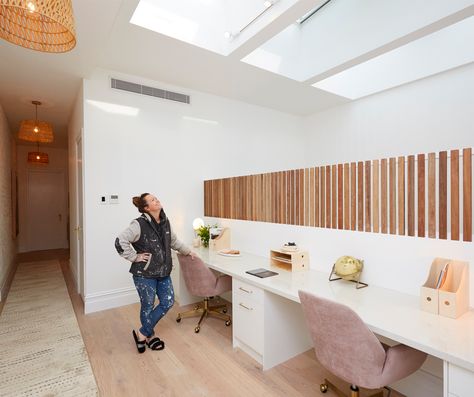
(36, 130)
(41, 25)
(38, 157)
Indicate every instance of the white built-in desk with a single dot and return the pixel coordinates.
(268, 322)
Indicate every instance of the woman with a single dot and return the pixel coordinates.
(147, 243)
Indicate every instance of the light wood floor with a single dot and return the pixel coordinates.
(203, 364)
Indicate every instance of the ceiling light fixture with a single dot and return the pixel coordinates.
(41, 25)
(36, 130)
(38, 157)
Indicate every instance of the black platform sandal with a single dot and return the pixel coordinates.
(140, 343)
(156, 344)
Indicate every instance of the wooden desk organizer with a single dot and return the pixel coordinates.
(294, 261)
(452, 299)
(222, 241)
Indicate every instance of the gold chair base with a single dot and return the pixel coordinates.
(324, 387)
(204, 310)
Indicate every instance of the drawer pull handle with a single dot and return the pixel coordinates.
(245, 290)
(428, 299)
(446, 303)
(245, 307)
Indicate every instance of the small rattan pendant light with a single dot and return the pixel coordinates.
(41, 25)
(36, 130)
(38, 157)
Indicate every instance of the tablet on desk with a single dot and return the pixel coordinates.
(262, 273)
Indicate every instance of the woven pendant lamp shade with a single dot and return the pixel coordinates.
(36, 130)
(28, 133)
(38, 158)
(41, 25)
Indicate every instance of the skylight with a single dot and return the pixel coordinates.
(440, 51)
(215, 25)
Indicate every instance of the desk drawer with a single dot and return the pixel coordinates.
(460, 381)
(248, 322)
(247, 290)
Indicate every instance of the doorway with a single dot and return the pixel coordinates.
(46, 210)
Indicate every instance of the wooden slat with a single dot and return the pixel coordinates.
(297, 197)
(347, 224)
(316, 196)
(290, 198)
(401, 195)
(432, 195)
(421, 195)
(353, 196)
(322, 201)
(206, 198)
(227, 198)
(274, 190)
(268, 196)
(467, 193)
(443, 195)
(375, 196)
(301, 203)
(411, 195)
(392, 196)
(360, 196)
(334, 196)
(311, 220)
(383, 196)
(340, 197)
(328, 196)
(454, 194)
(368, 209)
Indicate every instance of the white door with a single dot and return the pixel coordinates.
(79, 215)
(46, 223)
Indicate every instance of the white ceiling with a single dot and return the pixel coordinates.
(106, 39)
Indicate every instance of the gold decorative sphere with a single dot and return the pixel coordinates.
(347, 267)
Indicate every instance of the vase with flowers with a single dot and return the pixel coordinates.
(204, 234)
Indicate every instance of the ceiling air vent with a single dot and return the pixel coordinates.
(145, 90)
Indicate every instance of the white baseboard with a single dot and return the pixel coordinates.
(110, 299)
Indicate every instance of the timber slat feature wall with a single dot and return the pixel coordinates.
(423, 195)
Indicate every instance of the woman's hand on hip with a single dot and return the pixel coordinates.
(143, 257)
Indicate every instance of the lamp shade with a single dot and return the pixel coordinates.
(41, 25)
(197, 223)
(36, 131)
(38, 158)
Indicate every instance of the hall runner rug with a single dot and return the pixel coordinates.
(41, 348)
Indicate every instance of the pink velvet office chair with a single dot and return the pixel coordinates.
(201, 281)
(346, 347)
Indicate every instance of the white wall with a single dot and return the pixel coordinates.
(7, 241)
(159, 151)
(433, 114)
(57, 162)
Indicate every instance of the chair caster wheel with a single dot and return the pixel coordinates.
(197, 329)
(323, 387)
(178, 319)
(196, 307)
(224, 310)
(227, 323)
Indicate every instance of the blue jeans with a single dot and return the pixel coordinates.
(147, 288)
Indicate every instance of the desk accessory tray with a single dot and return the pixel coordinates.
(446, 290)
(293, 261)
(222, 241)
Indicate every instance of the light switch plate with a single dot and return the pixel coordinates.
(114, 199)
